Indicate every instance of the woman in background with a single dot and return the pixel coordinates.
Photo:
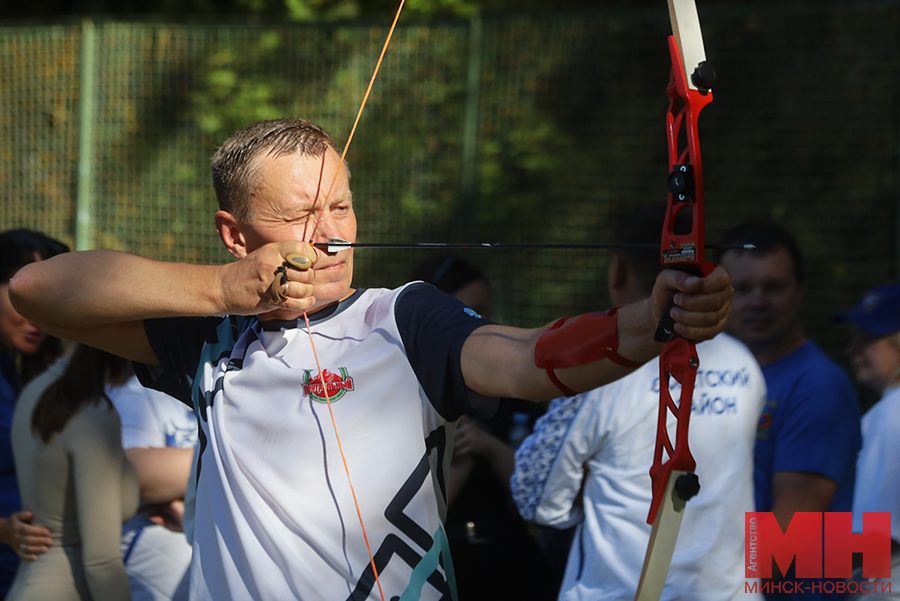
(25, 351)
(74, 476)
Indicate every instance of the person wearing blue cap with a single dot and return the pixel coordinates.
(875, 355)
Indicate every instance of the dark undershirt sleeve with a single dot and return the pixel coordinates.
(177, 343)
(434, 326)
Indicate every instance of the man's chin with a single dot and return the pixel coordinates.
(325, 297)
(330, 293)
(760, 342)
(758, 331)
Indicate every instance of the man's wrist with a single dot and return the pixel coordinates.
(636, 329)
(217, 290)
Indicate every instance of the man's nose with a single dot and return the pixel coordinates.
(327, 228)
(754, 297)
(322, 227)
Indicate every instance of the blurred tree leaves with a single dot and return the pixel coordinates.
(321, 10)
(235, 88)
(570, 131)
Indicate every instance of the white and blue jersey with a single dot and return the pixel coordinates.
(275, 517)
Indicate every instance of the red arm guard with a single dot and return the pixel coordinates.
(574, 341)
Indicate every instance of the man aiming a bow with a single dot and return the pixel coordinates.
(275, 510)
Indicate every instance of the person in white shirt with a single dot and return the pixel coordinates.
(159, 434)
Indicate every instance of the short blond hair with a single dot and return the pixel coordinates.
(234, 166)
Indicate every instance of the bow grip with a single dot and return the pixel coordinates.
(665, 331)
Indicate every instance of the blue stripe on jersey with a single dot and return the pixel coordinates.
(227, 333)
(429, 564)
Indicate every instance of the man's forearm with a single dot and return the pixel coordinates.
(162, 472)
(502, 361)
(101, 298)
(95, 288)
(75, 292)
(633, 345)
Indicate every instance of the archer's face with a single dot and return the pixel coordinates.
(285, 208)
(767, 297)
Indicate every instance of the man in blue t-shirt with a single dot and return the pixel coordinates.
(809, 433)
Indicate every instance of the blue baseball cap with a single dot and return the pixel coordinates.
(878, 314)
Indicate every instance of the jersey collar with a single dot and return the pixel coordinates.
(317, 317)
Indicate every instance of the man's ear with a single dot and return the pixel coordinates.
(230, 232)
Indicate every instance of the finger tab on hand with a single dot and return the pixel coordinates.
(298, 261)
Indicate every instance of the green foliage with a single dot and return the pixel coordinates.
(460, 8)
(321, 10)
(232, 95)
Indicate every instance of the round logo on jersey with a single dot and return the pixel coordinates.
(336, 385)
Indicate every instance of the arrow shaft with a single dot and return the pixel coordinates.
(338, 246)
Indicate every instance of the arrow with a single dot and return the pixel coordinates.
(337, 244)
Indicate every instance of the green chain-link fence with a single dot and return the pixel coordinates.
(504, 129)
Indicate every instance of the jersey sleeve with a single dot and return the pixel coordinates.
(178, 344)
(433, 327)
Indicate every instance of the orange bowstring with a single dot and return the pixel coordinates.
(306, 317)
(331, 411)
(358, 116)
(343, 457)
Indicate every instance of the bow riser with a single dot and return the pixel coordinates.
(678, 358)
(684, 251)
(678, 361)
